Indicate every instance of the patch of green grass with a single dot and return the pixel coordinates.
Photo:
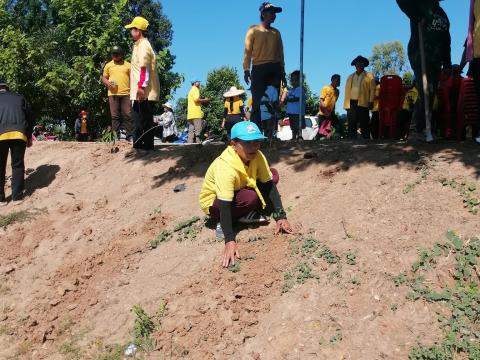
(309, 246)
(188, 229)
(288, 282)
(234, 268)
(337, 337)
(328, 255)
(162, 237)
(143, 329)
(400, 279)
(20, 217)
(304, 272)
(351, 259)
(71, 350)
(466, 191)
(462, 300)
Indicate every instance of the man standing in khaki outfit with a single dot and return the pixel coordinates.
(144, 84)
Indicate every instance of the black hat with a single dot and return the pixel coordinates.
(362, 59)
(267, 6)
(116, 50)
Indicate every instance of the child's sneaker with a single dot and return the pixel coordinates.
(253, 217)
(219, 232)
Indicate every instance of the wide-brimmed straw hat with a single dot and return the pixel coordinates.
(361, 58)
(168, 105)
(233, 92)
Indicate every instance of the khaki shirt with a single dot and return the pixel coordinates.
(144, 56)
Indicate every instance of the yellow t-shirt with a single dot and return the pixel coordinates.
(144, 56)
(410, 98)
(476, 30)
(13, 135)
(194, 110)
(376, 100)
(120, 73)
(262, 46)
(329, 95)
(228, 174)
(237, 106)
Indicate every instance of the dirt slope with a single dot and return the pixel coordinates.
(70, 276)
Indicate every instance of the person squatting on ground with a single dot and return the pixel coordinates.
(270, 108)
(359, 96)
(293, 106)
(436, 38)
(328, 100)
(116, 78)
(167, 123)
(144, 84)
(82, 127)
(472, 49)
(233, 111)
(264, 52)
(195, 113)
(239, 185)
(16, 125)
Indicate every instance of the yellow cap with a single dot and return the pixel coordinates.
(139, 23)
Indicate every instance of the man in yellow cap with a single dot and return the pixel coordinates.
(144, 84)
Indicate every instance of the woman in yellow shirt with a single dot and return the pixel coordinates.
(238, 185)
(233, 109)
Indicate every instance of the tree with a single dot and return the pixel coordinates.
(387, 59)
(61, 46)
(181, 113)
(218, 82)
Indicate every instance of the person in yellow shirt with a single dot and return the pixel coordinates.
(194, 112)
(375, 125)
(359, 96)
(116, 78)
(238, 185)
(144, 84)
(233, 111)
(16, 126)
(264, 52)
(82, 127)
(405, 115)
(328, 99)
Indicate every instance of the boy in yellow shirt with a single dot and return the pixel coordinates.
(194, 112)
(238, 185)
(328, 99)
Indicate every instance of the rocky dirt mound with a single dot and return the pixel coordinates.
(103, 232)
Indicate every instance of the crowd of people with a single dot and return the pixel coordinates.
(239, 185)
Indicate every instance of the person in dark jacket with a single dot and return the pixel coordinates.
(82, 132)
(16, 127)
(437, 43)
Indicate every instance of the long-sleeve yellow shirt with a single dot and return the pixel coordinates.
(262, 46)
(366, 93)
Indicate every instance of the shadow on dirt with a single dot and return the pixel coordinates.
(41, 178)
(193, 161)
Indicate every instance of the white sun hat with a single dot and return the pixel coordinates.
(233, 92)
(168, 105)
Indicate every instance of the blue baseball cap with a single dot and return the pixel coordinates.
(195, 79)
(246, 131)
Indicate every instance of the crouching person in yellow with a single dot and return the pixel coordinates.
(239, 186)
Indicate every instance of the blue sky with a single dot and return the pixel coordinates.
(209, 34)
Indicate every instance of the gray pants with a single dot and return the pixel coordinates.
(195, 127)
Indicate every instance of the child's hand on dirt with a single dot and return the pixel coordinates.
(230, 254)
(283, 226)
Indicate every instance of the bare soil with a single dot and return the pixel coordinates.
(70, 276)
